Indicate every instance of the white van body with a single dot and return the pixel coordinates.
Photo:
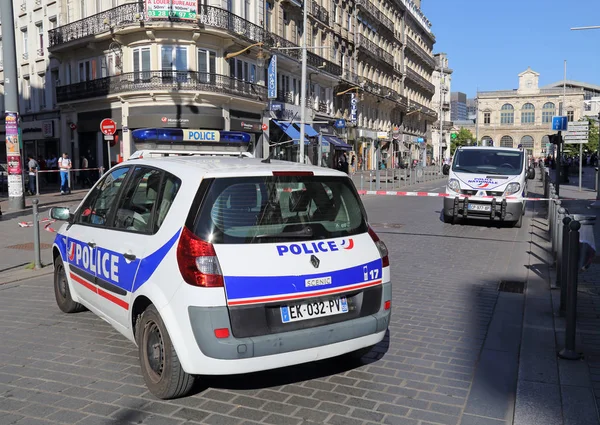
(487, 183)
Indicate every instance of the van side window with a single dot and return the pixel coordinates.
(97, 205)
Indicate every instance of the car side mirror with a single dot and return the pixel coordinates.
(531, 173)
(60, 213)
(446, 169)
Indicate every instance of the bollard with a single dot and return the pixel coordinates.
(550, 209)
(559, 246)
(69, 180)
(37, 183)
(587, 243)
(37, 256)
(564, 269)
(568, 352)
(362, 181)
(370, 180)
(556, 227)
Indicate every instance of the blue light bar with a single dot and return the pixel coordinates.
(176, 135)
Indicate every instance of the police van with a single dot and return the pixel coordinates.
(224, 265)
(487, 183)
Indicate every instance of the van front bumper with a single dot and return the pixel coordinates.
(483, 209)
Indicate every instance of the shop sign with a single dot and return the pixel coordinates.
(201, 136)
(341, 123)
(48, 128)
(180, 9)
(276, 106)
(382, 134)
(251, 126)
(353, 107)
(272, 78)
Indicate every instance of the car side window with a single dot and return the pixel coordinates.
(97, 206)
(146, 200)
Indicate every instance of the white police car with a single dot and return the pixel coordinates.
(217, 266)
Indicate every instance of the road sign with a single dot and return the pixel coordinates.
(559, 123)
(341, 123)
(265, 127)
(108, 126)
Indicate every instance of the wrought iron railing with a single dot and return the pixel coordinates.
(160, 80)
(350, 76)
(323, 107)
(374, 50)
(320, 12)
(221, 18)
(416, 106)
(317, 61)
(125, 14)
(369, 7)
(420, 52)
(419, 80)
(287, 97)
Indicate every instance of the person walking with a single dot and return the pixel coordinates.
(32, 166)
(64, 164)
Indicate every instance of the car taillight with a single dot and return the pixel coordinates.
(383, 251)
(198, 261)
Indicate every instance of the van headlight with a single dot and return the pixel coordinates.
(453, 185)
(512, 188)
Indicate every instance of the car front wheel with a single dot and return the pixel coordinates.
(62, 293)
(161, 369)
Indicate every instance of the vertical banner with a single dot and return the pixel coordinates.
(272, 77)
(353, 107)
(13, 155)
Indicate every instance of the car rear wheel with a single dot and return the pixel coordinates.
(161, 369)
(448, 219)
(62, 293)
(519, 222)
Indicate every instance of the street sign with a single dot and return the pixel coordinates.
(109, 137)
(341, 123)
(108, 126)
(559, 123)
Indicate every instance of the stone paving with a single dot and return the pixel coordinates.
(443, 361)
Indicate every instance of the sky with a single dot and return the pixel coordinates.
(489, 42)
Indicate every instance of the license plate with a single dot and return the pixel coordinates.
(479, 207)
(312, 310)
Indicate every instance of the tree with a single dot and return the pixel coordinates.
(463, 138)
(591, 146)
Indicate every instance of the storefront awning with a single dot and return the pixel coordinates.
(337, 143)
(309, 131)
(294, 133)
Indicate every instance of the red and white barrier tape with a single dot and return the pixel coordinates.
(72, 169)
(446, 195)
(48, 221)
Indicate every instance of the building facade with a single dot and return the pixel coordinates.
(206, 68)
(458, 102)
(441, 103)
(509, 118)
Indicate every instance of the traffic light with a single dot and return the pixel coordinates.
(554, 139)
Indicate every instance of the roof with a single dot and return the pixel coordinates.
(213, 166)
(497, 148)
(573, 83)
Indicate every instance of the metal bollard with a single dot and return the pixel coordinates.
(362, 181)
(37, 255)
(550, 210)
(568, 352)
(564, 269)
(559, 254)
(386, 179)
(69, 180)
(370, 180)
(37, 182)
(556, 227)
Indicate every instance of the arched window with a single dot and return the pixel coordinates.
(548, 111)
(488, 141)
(507, 114)
(527, 142)
(545, 141)
(528, 114)
(506, 142)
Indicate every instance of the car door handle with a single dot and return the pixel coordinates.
(92, 244)
(129, 257)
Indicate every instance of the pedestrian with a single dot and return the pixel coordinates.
(85, 178)
(32, 166)
(64, 164)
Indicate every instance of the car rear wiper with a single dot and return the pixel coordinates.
(307, 231)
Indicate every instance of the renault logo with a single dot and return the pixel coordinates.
(315, 261)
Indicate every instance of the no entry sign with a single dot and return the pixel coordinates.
(108, 127)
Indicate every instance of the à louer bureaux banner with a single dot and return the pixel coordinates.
(180, 9)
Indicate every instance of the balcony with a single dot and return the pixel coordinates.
(420, 81)
(412, 46)
(286, 97)
(416, 106)
(374, 50)
(145, 81)
(317, 61)
(320, 12)
(350, 76)
(372, 10)
(323, 108)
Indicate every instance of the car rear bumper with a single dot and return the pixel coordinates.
(499, 209)
(299, 346)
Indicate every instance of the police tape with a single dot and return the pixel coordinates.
(447, 195)
(30, 223)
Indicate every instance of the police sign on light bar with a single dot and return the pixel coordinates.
(201, 135)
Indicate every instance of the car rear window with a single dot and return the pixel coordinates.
(279, 208)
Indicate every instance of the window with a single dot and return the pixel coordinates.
(527, 142)
(141, 63)
(570, 116)
(107, 66)
(53, 22)
(259, 209)
(241, 70)
(268, 15)
(54, 83)
(207, 64)
(506, 142)
(507, 114)
(528, 114)
(488, 141)
(96, 208)
(83, 8)
(40, 42)
(87, 70)
(146, 200)
(548, 111)
(25, 46)
(42, 92)
(26, 94)
(487, 118)
(335, 13)
(174, 58)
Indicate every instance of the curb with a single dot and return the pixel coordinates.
(24, 274)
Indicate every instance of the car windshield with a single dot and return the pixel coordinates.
(279, 208)
(488, 161)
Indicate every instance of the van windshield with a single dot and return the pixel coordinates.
(279, 208)
(488, 161)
